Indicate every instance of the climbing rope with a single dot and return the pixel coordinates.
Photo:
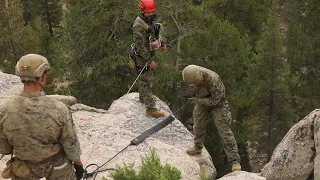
(135, 141)
(181, 108)
(96, 171)
(145, 66)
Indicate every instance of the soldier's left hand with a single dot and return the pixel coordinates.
(193, 100)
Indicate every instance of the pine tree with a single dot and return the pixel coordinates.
(270, 96)
(246, 15)
(15, 39)
(303, 54)
(99, 37)
(49, 12)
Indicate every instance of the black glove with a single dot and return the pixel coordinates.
(79, 171)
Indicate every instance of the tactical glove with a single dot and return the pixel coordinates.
(79, 171)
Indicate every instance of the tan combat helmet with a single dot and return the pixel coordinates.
(192, 75)
(31, 67)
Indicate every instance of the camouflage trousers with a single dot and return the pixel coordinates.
(60, 169)
(144, 84)
(222, 118)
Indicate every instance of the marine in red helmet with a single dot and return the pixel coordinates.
(147, 6)
(147, 39)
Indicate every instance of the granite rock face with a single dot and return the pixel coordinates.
(242, 175)
(297, 155)
(103, 133)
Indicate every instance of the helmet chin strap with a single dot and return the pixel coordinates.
(40, 84)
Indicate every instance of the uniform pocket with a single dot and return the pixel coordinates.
(7, 172)
(20, 168)
(63, 170)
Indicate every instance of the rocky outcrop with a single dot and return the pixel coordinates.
(295, 156)
(9, 85)
(67, 100)
(242, 175)
(257, 157)
(104, 133)
(317, 146)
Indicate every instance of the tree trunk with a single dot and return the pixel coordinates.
(271, 113)
(175, 103)
(49, 19)
(177, 60)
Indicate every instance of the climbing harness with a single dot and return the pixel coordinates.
(155, 39)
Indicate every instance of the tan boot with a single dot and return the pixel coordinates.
(236, 166)
(194, 150)
(155, 113)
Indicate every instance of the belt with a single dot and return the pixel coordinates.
(61, 153)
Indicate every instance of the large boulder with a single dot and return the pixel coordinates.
(9, 85)
(242, 175)
(294, 157)
(67, 100)
(257, 157)
(104, 133)
(317, 145)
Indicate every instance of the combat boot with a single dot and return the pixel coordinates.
(194, 150)
(155, 113)
(236, 166)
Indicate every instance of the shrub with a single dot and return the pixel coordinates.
(151, 169)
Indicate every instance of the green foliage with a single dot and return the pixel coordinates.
(15, 39)
(303, 54)
(49, 12)
(125, 173)
(247, 15)
(99, 40)
(151, 169)
(271, 76)
(269, 79)
(203, 176)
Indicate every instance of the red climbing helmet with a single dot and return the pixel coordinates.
(147, 6)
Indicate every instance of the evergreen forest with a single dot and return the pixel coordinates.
(265, 51)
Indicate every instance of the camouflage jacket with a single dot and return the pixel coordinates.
(211, 90)
(35, 127)
(143, 35)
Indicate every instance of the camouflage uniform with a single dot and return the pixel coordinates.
(141, 36)
(212, 101)
(40, 132)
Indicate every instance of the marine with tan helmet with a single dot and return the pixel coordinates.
(38, 130)
(210, 99)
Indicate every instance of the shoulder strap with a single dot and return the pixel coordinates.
(146, 25)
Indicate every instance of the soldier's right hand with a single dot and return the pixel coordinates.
(153, 65)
